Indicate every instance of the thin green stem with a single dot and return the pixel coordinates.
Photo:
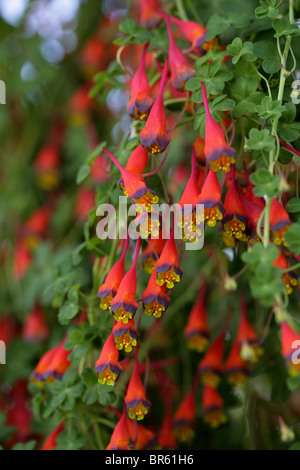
(181, 10)
(291, 268)
(174, 100)
(272, 154)
(264, 78)
(194, 11)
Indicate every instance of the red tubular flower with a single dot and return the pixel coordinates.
(135, 187)
(185, 417)
(46, 167)
(85, 201)
(288, 278)
(43, 369)
(154, 136)
(126, 337)
(155, 299)
(123, 305)
(235, 368)
(252, 212)
(235, 220)
(8, 329)
(36, 227)
(279, 222)
(151, 253)
(199, 146)
(19, 414)
(142, 438)
(167, 269)
(22, 260)
(107, 366)
(60, 362)
(120, 436)
(137, 161)
(181, 70)
(140, 101)
(187, 218)
(166, 437)
(93, 52)
(53, 364)
(135, 398)
(210, 367)
(113, 280)
(213, 407)
(210, 196)
(248, 193)
(196, 332)
(194, 32)
(100, 169)
(50, 442)
(35, 328)
(148, 224)
(290, 343)
(148, 13)
(180, 174)
(247, 339)
(218, 153)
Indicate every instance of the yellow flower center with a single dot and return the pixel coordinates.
(138, 412)
(107, 377)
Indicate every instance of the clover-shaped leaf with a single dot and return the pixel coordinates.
(237, 49)
(260, 140)
(265, 183)
(269, 109)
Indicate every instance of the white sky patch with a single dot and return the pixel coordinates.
(229, 253)
(28, 72)
(13, 10)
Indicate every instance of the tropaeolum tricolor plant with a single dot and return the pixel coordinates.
(165, 345)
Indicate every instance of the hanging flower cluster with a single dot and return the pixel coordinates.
(191, 310)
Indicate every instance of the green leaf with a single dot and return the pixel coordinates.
(77, 254)
(134, 32)
(292, 238)
(265, 279)
(258, 254)
(98, 394)
(295, 446)
(289, 132)
(67, 312)
(30, 445)
(239, 50)
(5, 430)
(68, 439)
(265, 183)
(267, 51)
(218, 24)
(293, 383)
(223, 104)
(269, 109)
(247, 105)
(293, 205)
(268, 8)
(260, 140)
(283, 27)
(83, 173)
(89, 377)
(289, 114)
(76, 337)
(128, 26)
